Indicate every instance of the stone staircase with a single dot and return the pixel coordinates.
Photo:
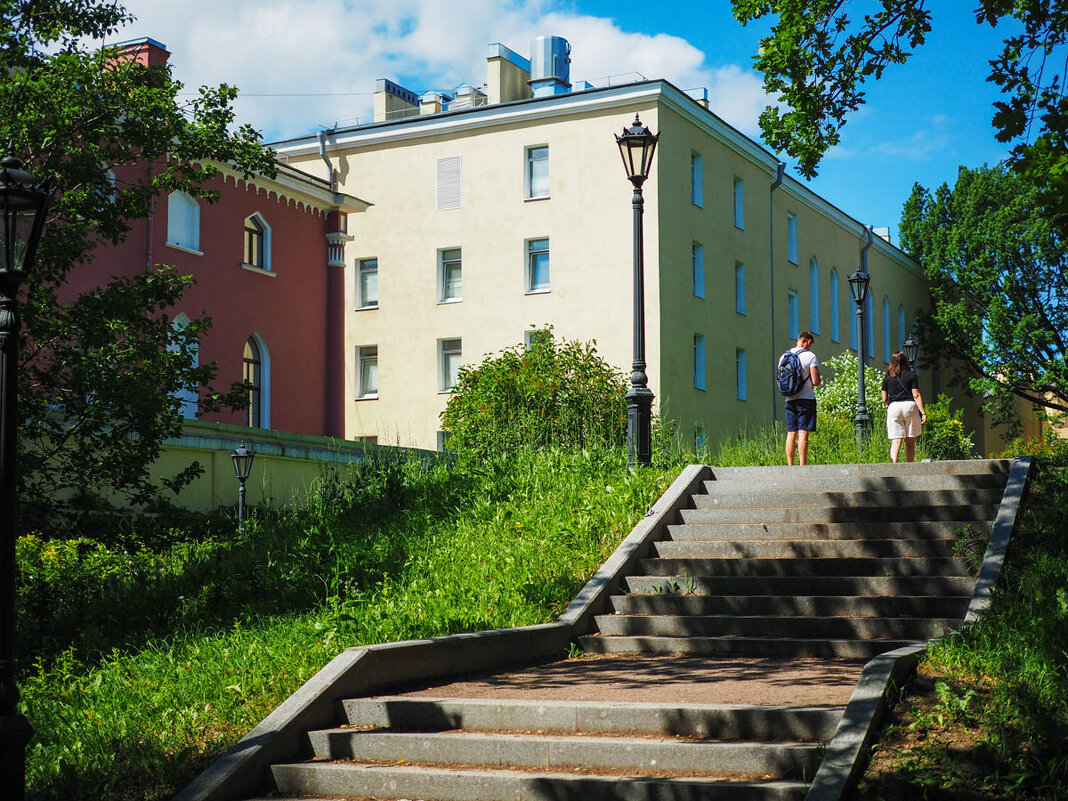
(771, 565)
(830, 561)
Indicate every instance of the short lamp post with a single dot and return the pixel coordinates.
(911, 349)
(636, 147)
(858, 288)
(23, 207)
(242, 457)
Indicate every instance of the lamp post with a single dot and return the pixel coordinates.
(911, 349)
(636, 148)
(858, 288)
(242, 458)
(23, 206)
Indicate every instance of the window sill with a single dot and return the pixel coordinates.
(259, 270)
(366, 397)
(536, 198)
(448, 301)
(447, 391)
(700, 389)
(544, 291)
(366, 308)
(739, 227)
(184, 249)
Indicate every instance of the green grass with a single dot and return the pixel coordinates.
(155, 662)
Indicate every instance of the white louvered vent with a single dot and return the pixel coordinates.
(450, 183)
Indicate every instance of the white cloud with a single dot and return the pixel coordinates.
(310, 64)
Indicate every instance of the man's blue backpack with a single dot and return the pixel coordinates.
(790, 376)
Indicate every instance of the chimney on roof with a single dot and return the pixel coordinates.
(393, 101)
(145, 51)
(507, 74)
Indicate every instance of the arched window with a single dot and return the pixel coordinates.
(188, 397)
(901, 333)
(869, 326)
(257, 374)
(887, 342)
(183, 221)
(813, 295)
(835, 311)
(257, 242)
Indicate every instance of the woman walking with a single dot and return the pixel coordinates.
(904, 406)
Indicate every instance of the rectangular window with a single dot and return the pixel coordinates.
(699, 361)
(697, 190)
(538, 171)
(367, 363)
(443, 442)
(742, 382)
(699, 439)
(449, 354)
(739, 288)
(791, 238)
(538, 265)
(450, 275)
(367, 284)
(792, 315)
(368, 440)
(739, 203)
(532, 335)
(698, 270)
(450, 183)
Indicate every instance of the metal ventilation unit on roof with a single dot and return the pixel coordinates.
(550, 66)
(467, 96)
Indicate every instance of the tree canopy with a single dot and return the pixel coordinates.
(102, 378)
(821, 54)
(998, 270)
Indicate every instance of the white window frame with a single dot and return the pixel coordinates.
(793, 314)
(739, 203)
(741, 362)
(698, 257)
(530, 253)
(265, 378)
(362, 270)
(452, 346)
(444, 260)
(183, 223)
(265, 233)
(365, 355)
(531, 158)
(699, 367)
(791, 238)
(697, 180)
(739, 288)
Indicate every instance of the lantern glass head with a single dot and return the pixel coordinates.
(23, 207)
(636, 147)
(858, 286)
(911, 349)
(242, 458)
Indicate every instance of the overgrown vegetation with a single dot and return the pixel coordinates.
(987, 715)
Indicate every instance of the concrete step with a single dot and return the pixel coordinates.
(796, 484)
(859, 566)
(703, 721)
(805, 549)
(870, 472)
(800, 585)
(833, 628)
(703, 524)
(634, 756)
(793, 605)
(759, 498)
(743, 646)
(838, 514)
(354, 780)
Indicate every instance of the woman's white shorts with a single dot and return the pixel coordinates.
(902, 420)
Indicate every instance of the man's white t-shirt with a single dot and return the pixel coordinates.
(808, 361)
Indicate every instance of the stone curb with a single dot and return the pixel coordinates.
(849, 751)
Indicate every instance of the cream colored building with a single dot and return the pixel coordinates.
(495, 211)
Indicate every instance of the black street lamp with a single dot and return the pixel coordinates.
(242, 458)
(911, 349)
(23, 206)
(636, 148)
(858, 288)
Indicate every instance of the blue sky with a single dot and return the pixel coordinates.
(307, 64)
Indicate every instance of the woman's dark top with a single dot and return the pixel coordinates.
(899, 388)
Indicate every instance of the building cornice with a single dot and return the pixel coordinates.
(295, 185)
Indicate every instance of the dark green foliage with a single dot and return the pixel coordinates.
(100, 376)
(998, 271)
(546, 394)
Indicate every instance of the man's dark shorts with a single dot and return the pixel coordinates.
(801, 414)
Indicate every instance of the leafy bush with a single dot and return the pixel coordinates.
(547, 393)
(944, 435)
(837, 394)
